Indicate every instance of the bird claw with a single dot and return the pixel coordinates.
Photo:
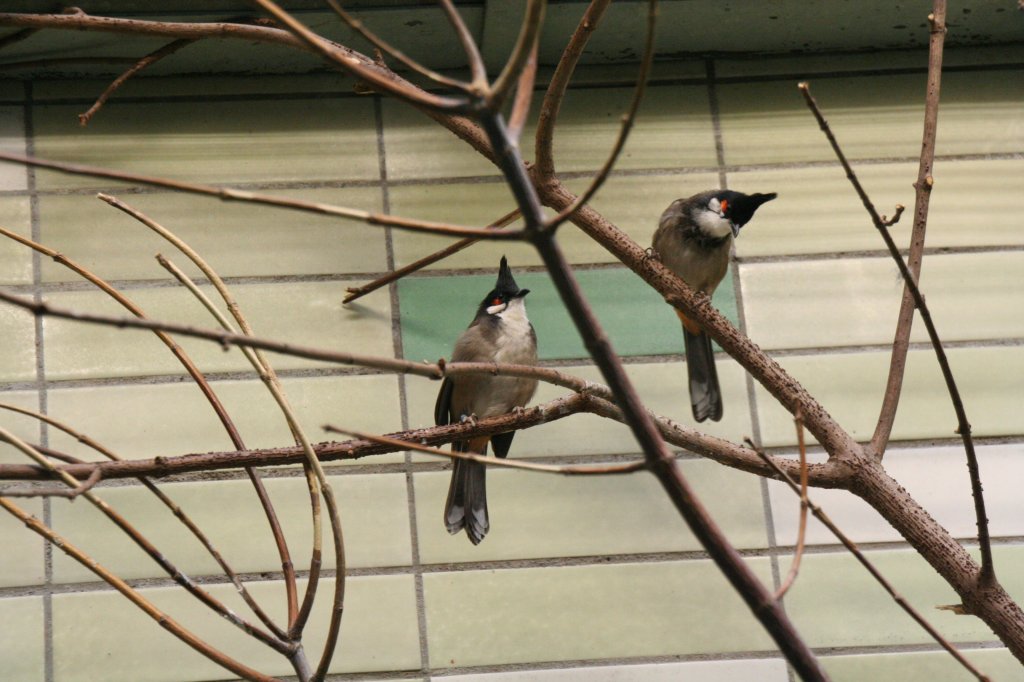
(649, 252)
(471, 418)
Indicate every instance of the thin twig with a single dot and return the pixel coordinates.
(528, 33)
(393, 51)
(69, 493)
(801, 536)
(149, 59)
(368, 72)
(627, 124)
(987, 575)
(395, 275)
(849, 544)
(922, 198)
(164, 620)
(477, 69)
(544, 162)
(566, 469)
(524, 95)
(228, 194)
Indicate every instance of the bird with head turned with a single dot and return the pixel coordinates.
(694, 240)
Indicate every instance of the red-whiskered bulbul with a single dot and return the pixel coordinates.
(693, 240)
(500, 332)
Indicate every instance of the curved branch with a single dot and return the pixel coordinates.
(528, 33)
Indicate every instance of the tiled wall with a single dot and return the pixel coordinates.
(580, 578)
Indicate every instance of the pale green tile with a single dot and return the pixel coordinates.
(122, 417)
(236, 239)
(537, 515)
(835, 602)
(22, 426)
(373, 509)
(874, 117)
(15, 259)
(850, 387)
(235, 141)
(303, 313)
(582, 612)
(936, 477)
(871, 117)
(974, 203)
(923, 666)
(417, 147)
(855, 301)
(662, 386)
(17, 329)
(765, 670)
(817, 210)
(21, 638)
(21, 562)
(673, 129)
(981, 113)
(378, 632)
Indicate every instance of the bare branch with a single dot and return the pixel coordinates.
(469, 48)
(987, 575)
(149, 59)
(524, 95)
(393, 51)
(545, 134)
(627, 123)
(794, 568)
(566, 469)
(394, 276)
(922, 197)
(370, 73)
(820, 514)
(164, 620)
(528, 33)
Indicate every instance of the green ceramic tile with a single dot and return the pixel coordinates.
(850, 387)
(21, 562)
(378, 632)
(535, 515)
(22, 426)
(855, 301)
(582, 612)
(672, 129)
(11, 90)
(237, 240)
(871, 117)
(15, 259)
(662, 386)
(373, 510)
(12, 140)
(246, 141)
(305, 313)
(17, 328)
(693, 671)
(435, 310)
(835, 602)
(122, 417)
(21, 638)
(417, 147)
(817, 210)
(997, 664)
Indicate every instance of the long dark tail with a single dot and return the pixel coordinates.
(466, 506)
(705, 395)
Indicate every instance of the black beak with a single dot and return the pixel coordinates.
(522, 292)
